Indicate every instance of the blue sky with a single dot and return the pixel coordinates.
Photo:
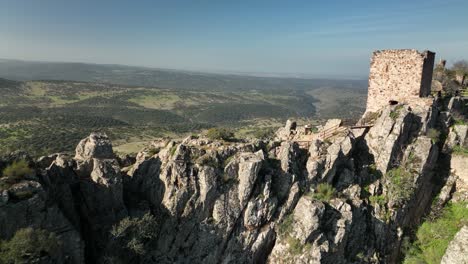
(307, 38)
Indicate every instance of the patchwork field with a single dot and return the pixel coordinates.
(49, 116)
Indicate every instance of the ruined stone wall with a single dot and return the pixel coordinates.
(399, 75)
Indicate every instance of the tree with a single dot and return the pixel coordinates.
(460, 67)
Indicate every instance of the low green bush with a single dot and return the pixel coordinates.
(395, 113)
(173, 150)
(14, 173)
(264, 133)
(285, 229)
(433, 134)
(459, 150)
(296, 247)
(324, 192)
(153, 151)
(399, 184)
(219, 133)
(28, 246)
(17, 170)
(378, 199)
(286, 225)
(133, 235)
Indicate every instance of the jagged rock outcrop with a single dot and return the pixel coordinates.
(97, 145)
(244, 202)
(396, 127)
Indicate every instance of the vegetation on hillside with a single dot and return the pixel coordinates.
(220, 133)
(42, 117)
(433, 237)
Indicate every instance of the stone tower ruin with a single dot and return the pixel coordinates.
(401, 76)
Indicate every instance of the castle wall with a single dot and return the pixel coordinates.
(399, 75)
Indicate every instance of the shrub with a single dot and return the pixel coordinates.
(459, 150)
(220, 133)
(433, 134)
(134, 235)
(29, 245)
(207, 160)
(394, 114)
(285, 229)
(459, 120)
(433, 237)
(378, 199)
(17, 170)
(399, 185)
(264, 133)
(153, 151)
(286, 225)
(412, 160)
(173, 150)
(324, 192)
(296, 247)
(14, 173)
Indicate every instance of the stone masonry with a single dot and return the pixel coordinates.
(399, 75)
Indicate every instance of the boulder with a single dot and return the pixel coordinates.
(457, 136)
(96, 145)
(307, 217)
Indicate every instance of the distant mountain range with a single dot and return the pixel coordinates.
(163, 78)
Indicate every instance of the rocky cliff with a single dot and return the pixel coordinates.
(353, 198)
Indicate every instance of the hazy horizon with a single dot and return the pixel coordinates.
(273, 38)
(296, 75)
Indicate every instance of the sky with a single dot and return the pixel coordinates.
(287, 37)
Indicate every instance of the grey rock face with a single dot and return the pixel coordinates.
(457, 251)
(249, 166)
(391, 129)
(457, 137)
(245, 202)
(25, 204)
(307, 217)
(328, 161)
